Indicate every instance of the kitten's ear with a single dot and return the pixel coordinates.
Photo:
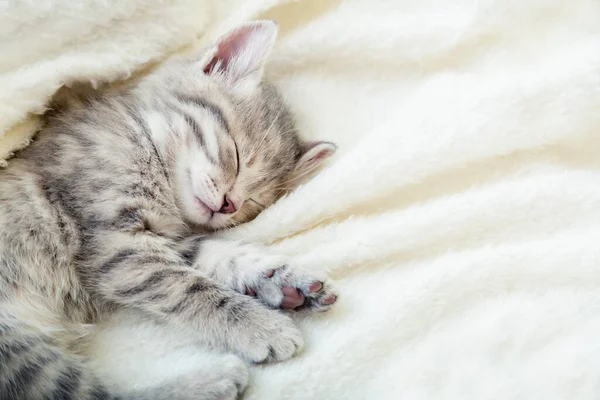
(315, 153)
(239, 55)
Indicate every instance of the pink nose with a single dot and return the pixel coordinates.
(228, 207)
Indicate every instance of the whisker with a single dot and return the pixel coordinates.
(257, 203)
(295, 179)
(258, 147)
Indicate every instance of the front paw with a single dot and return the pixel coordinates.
(275, 280)
(278, 283)
(266, 335)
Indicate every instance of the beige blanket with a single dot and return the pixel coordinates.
(461, 215)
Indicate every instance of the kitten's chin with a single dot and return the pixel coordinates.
(199, 214)
(210, 224)
(219, 221)
(194, 212)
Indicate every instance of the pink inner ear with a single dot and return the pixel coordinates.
(227, 49)
(315, 153)
(241, 53)
(210, 66)
(320, 155)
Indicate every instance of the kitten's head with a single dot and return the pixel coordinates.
(230, 140)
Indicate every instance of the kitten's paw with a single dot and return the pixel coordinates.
(275, 280)
(278, 283)
(294, 289)
(226, 379)
(234, 379)
(267, 335)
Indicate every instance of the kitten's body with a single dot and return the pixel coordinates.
(103, 213)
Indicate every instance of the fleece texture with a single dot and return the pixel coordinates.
(461, 214)
(49, 43)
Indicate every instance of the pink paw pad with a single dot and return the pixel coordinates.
(315, 287)
(270, 273)
(292, 298)
(329, 299)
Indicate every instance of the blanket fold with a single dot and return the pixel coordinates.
(461, 214)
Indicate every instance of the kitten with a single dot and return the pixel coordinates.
(113, 207)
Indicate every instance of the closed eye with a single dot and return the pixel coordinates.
(237, 158)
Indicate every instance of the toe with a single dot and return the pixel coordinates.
(328, 300)
(270, 273)
(315, 287)
(292, 298)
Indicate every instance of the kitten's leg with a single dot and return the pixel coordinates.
(144, 272)
(32, 367)
(225, 380)
(130, 350)
(274, 279)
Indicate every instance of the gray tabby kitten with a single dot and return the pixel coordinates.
(112, 208)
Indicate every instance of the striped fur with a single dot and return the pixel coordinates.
(113, 207)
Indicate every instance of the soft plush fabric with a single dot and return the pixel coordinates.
(461, 215)
(47, 43)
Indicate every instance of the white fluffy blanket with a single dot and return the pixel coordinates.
(461, 216)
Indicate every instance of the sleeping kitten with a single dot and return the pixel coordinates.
(112, 208)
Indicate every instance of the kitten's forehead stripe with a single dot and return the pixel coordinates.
(215, 141)
(203, 103)
(141, 124)
(191, 121)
